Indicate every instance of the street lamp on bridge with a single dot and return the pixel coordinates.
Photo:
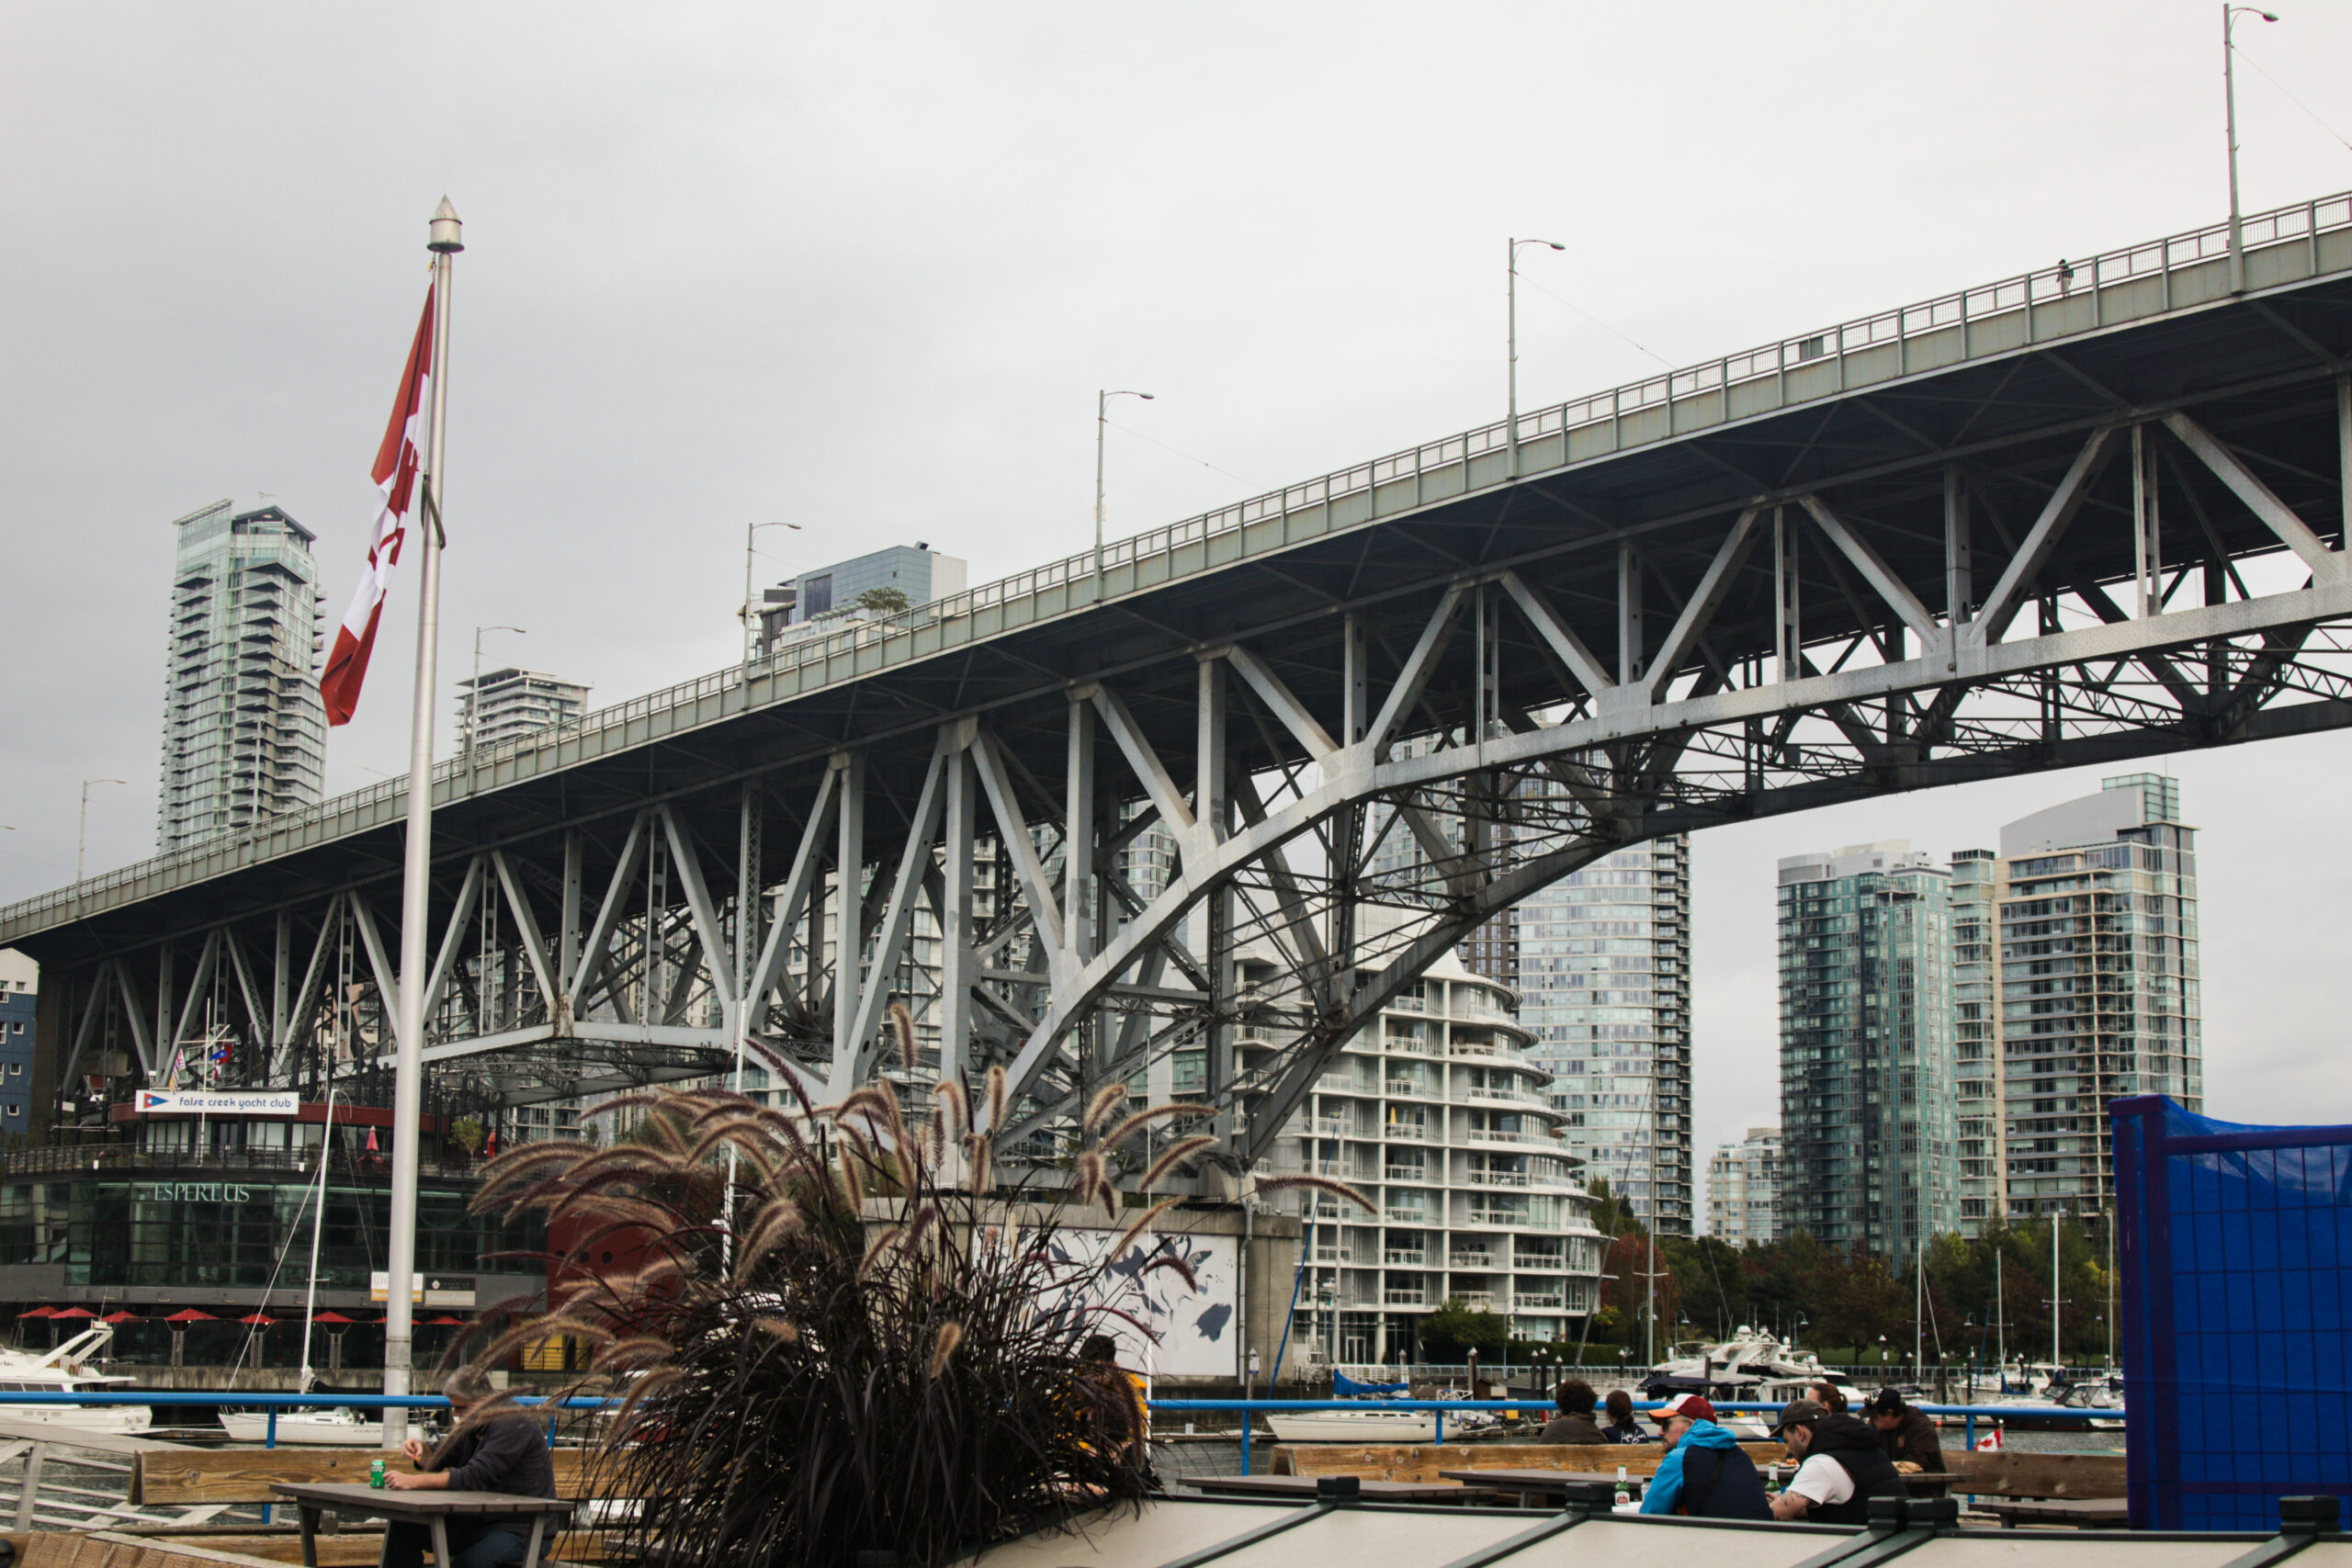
(2230, 109)
(1511, 426)
(1101, 423)
(751, 611)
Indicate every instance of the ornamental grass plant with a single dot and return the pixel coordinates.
(833, 1334)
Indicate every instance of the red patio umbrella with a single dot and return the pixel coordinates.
(261, 1318)
(190, 1314)
(120, 1316)
(443, 1321)
(75, 1312)
(39, 1312)
(333, 1317)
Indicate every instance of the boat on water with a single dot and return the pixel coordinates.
(1372, 1423)
(66, 1370)
(325, 1428)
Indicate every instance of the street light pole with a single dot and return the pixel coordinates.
(1510, 289)
(82, 834)
(473, 688)
(1101, 423)
(750, 615)
(2230, 109)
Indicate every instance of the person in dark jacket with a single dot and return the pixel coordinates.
(1705, 1473)
(1909, 1434)
(1574, 1424)
(1843, 1466)
(506, 1453)
(1621, 1427)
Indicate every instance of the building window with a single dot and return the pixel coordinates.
(815, 596)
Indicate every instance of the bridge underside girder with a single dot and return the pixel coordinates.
(1357, 751)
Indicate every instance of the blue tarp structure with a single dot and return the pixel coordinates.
(2235, 1249)
(1345, 1387)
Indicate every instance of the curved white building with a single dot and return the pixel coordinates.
(1439, 1116)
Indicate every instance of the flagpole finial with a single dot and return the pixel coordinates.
(447, 233)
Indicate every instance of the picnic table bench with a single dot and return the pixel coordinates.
(434, 1510)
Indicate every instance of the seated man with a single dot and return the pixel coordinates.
(1909, 1433)
(1843, 1467)
(1574, 1424)
(1705, 1474)
(506, 1453)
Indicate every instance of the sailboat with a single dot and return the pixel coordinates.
(340, 1427)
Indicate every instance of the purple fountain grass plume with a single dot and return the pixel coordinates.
(1318, 1184)
(998, 1089)
(1176, 1261)
(1174, 1155)
(1107, 1098)
(902, 1032)
(1129, 1127)
(943, 1341)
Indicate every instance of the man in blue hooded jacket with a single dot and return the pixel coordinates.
(1705, 1474)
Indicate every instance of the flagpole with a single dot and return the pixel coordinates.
(445, 239)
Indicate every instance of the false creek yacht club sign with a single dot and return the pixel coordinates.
(219, 1102)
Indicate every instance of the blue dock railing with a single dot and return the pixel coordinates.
(1249, 1407)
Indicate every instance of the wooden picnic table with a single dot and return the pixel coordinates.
(1371, 1491)
(1533, 1482)
(432, 1509)
(2080, 1513)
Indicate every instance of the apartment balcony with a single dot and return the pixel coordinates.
(1476, 1262)
(1405, 1132)
(1409, 1087)
(1505, 1178)
(1520, 1140)
(1538, 1304)
(1514, 1095)
(1475, 1298)
(1404, 1173)
(1396, 1260)
(1406, 1216)
(1403, 1296)
(1476, 1048)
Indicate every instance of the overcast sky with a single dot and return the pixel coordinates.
(864, 267)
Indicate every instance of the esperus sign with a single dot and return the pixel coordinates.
(217, 1102)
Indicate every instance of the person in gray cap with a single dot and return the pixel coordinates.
(1842, 1466)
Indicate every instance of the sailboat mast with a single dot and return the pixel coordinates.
(2000, 1320)
(318, 1227)
(2057, 1307)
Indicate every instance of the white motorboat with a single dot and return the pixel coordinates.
(66, 1370)
(331, 1428)
(1372, 1425)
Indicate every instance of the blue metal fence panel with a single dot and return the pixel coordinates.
(2235, 1249)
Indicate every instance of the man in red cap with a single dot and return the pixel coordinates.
(1705, 1474)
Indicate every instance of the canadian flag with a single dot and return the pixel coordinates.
(397, 462)
(1990, 1442)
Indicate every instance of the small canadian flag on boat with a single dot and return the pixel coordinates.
(1990, 1441)
(397, 461)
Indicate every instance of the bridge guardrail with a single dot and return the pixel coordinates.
(2006, 298)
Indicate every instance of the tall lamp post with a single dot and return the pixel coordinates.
(82, 833)
(751, 612)
(2230, 109)
(473, 688)
(1510, 430)
(1101, 423)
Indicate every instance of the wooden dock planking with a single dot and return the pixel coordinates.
(189, 1477)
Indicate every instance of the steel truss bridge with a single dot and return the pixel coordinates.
(2091, 514)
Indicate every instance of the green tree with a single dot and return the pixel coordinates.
(1457, 1329)
(882, 600)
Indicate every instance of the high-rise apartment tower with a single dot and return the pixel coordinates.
(245, 733)
(1868, 1127)
(2099, 985)
(1744, 1190)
